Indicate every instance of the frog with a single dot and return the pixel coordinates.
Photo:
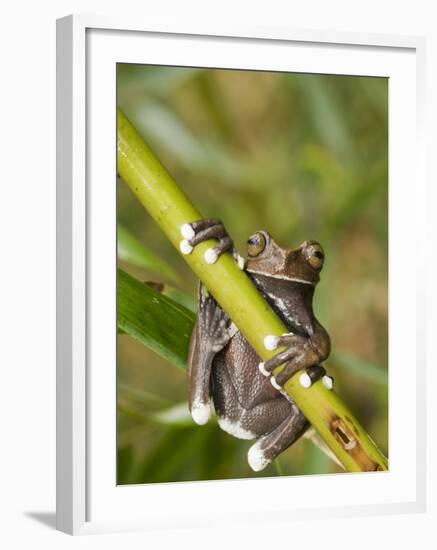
(224, 370)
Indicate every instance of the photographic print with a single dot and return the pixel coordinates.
(290, 173)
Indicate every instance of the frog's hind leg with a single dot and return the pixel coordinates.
(276, 423)
(211, 333)
(269, 446)
(231, 416)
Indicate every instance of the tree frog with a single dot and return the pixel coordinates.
(249, 401)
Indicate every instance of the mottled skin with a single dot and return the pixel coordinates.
(248, 401)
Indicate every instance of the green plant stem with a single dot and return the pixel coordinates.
(237, 295)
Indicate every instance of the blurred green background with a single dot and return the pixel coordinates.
(304, 156)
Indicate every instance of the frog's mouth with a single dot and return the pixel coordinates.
(282, 277)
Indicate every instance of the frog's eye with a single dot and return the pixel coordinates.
(315, 255)
(256, 244)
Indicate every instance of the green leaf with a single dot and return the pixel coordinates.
(132, 251)
(155, 320)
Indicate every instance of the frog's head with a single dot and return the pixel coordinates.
(266, 257)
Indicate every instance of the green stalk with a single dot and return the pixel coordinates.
(237, 295)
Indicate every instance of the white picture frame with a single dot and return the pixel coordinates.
(87, 50)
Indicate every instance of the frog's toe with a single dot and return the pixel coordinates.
(211, 256)
(201, 412)
(256, 458)
(305, 380)
(275, 384)
(328, 382)
(187, 231)
(271, 342)
(185, 247)
(312, 374)
(241, 262)
(262, 370)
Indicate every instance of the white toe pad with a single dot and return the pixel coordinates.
(305, 380)
(262, 370)
(201, 413)
(271, 342)
(185, 247)
(210, 256)
(241, 262)
(257, 460)
(187, 231)
(274, 383)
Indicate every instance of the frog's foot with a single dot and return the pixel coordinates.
(212, 331)
(256, 457)
(295, 351)
(202, 230)
(297, 355)
(215, 328)
(268, 447)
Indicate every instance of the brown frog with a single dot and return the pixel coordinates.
(249, 401)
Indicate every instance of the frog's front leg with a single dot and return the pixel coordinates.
(211, 333)
(202, 230)
(300, 353)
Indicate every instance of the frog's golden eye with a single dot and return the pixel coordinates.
(256, 244)
(315, 255)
